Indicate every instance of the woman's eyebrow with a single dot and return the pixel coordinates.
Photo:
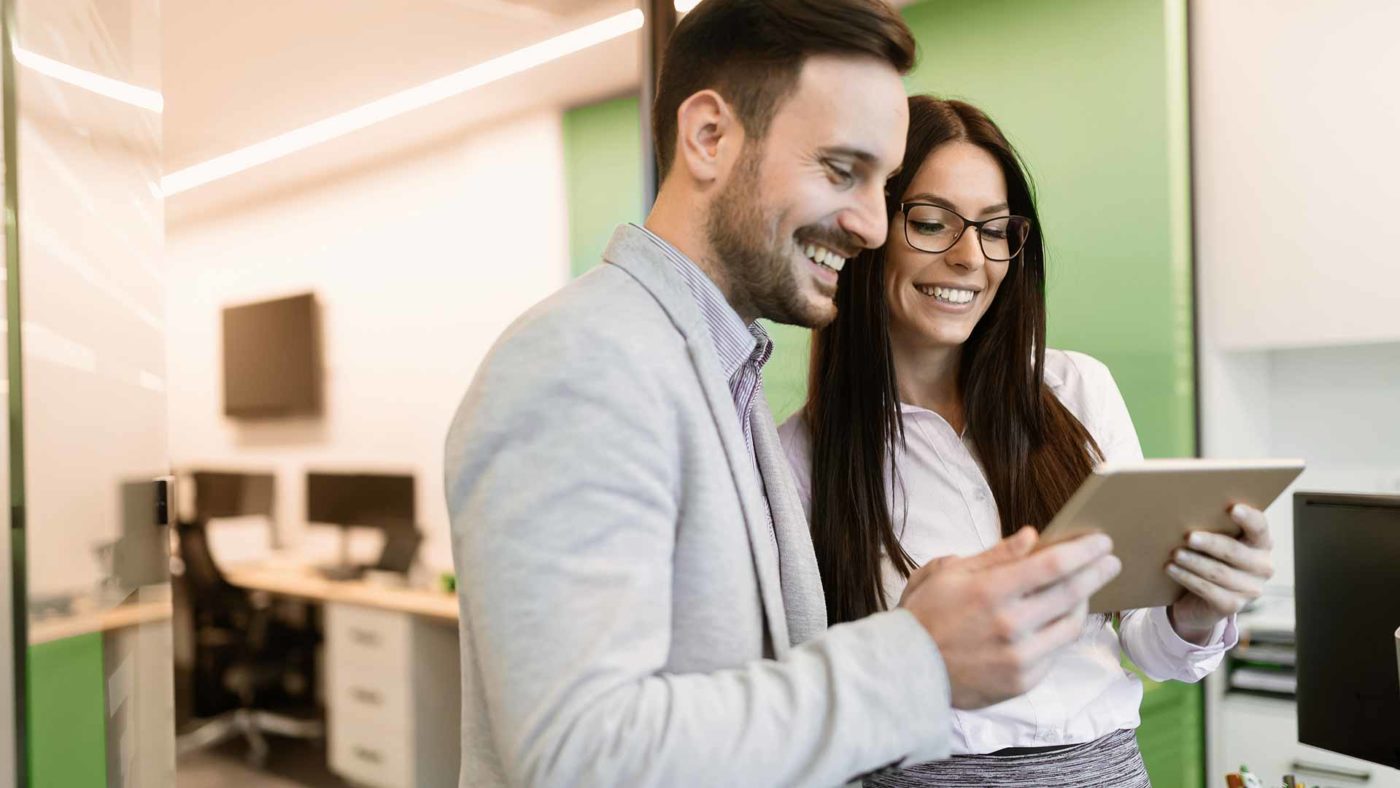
(934, 199)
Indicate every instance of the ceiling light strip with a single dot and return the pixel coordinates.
(136, 96)
(402, 102)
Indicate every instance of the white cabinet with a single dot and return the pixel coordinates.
(393, 694)
(1294, 125)
(1262, 733)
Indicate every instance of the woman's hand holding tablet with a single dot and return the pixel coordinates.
(1152, 508)
(1221, 574)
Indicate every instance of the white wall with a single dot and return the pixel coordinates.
(1295, 116)
(1335, 407)
(418, 264)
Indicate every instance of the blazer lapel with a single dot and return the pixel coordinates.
(803, 597)
(636, 254)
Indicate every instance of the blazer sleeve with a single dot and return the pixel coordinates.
(563, 486)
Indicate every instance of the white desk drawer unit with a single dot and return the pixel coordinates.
(1263, 733)
(393, 691)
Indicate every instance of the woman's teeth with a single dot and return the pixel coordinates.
(948, 295)
(823, 256)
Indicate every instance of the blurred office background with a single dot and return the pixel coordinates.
(255, 251)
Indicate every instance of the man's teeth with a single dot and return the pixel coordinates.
(823, 256)
(948, 295)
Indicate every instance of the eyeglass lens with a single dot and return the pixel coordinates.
(930, 228)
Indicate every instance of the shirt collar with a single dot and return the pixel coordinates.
(735, 342)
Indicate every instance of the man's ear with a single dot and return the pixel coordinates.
(709, 136)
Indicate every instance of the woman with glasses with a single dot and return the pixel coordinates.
(937, 423)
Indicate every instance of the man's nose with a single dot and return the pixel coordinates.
(865, 219)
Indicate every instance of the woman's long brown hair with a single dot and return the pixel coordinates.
(1033, 450)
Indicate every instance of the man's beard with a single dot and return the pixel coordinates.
(759, 265)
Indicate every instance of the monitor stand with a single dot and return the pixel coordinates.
(344, 570)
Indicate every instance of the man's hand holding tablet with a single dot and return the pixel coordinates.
(1000, 616)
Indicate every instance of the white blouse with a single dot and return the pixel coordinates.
(950, 511)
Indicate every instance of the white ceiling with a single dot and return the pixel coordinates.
(239, 72)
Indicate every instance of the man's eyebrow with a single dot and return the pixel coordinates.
(862, 156)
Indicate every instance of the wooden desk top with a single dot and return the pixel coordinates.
(305, 583)
(129, 614)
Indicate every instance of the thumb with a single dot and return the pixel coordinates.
(1011, 548)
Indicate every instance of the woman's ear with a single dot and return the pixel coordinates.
(708, 136)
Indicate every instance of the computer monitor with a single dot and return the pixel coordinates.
(227, 494)
(1346, 552)
(383, 501)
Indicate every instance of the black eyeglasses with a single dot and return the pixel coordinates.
(933, 228)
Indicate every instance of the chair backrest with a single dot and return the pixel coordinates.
(203, 578)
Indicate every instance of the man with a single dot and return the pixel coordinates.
(640, 599)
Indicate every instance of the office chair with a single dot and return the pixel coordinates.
(261, 662)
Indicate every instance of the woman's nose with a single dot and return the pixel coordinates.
(967, 252)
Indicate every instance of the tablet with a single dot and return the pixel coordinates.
(1149, 507)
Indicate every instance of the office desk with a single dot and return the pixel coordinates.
(110, 619)
(305, 583)
(393, 687)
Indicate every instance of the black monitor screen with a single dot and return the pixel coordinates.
(221, 494)
(347, 499)
(1347, 560)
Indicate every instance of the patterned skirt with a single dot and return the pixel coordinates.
(1112, 760)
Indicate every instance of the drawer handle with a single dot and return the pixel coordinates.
(364, 637)
(369, 697)
(1339, 772)
(366, 754)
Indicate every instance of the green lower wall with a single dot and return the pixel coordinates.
(1093, 94)
(66, 732)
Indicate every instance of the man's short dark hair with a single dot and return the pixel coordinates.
(752, 51)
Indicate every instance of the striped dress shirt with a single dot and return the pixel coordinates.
(742, 349)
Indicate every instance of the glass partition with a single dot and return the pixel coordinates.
(87, 391)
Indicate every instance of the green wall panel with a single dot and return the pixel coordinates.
(67, 734)
(602, 175)
(1092, 93)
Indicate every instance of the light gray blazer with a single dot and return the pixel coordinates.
(628, 617)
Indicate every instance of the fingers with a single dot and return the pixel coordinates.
(1057, 634)
(1254, 523)
(1218, 598)
(1061, 599)
(1052, 564)
(921, 574)
(1253, 560)
(1219, 573)
(1013, 547)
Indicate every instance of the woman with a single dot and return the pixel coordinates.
(937, 423)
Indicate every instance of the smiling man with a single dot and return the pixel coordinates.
(640, 598)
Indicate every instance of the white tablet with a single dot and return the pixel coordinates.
(1149, 507)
